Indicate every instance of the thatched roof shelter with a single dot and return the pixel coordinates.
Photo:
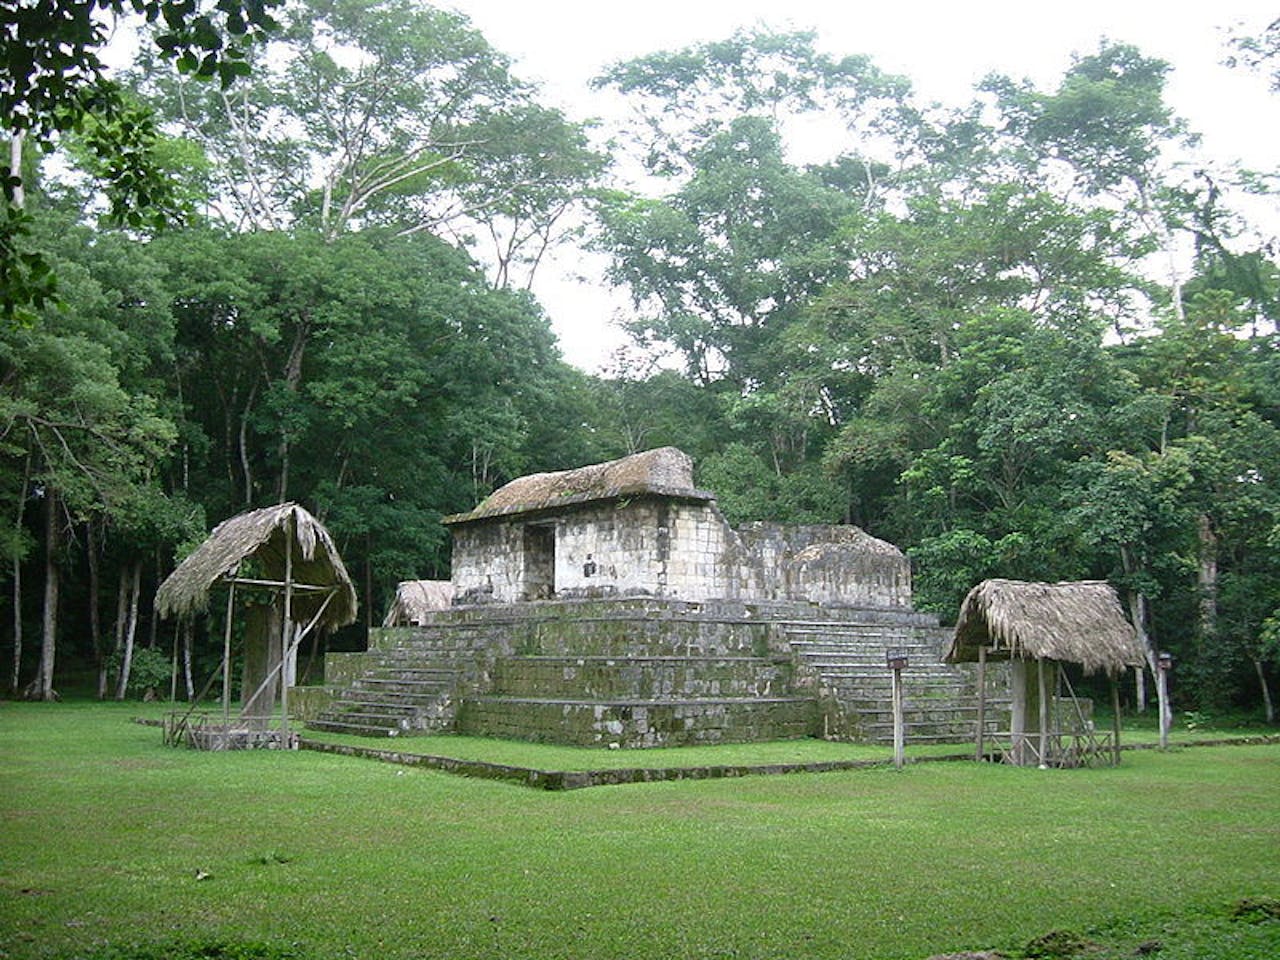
(266, 537)
(1075, 622)
(415, 599)
(665, 471)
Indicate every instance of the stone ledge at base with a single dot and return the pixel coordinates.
(581, 779)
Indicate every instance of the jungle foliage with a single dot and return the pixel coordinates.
(1032, 335)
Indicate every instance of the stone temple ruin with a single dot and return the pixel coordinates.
(614, 605)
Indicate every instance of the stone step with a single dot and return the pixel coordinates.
(917, 714)
(632, 702)
(352, 705)
(381, 712)
(872, 652)
(408, 679)
(361, 729)
(835, 632)
(648, 658)
(403, 685)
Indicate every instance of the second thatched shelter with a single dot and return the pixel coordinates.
(1047, 624)
(415, 601)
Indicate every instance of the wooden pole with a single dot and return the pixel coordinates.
(226, 662)
(1115, 720)
(286, 629)
(982, 703)
(1044, 713)
(1018, 711)
(899, 736)
(173, 676)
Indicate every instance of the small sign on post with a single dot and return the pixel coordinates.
(897, 661)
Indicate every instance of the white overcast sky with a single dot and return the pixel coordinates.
(943, 47)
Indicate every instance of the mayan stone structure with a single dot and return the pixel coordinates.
(614, 605)
(639, 527)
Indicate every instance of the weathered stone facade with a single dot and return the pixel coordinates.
(614, 530)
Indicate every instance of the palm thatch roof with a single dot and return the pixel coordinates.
(665, 471)
(1075, 622)
(262, 536)
(415, 599)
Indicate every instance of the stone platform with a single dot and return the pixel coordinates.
(645, 672)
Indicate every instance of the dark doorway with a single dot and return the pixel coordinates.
(539, 562)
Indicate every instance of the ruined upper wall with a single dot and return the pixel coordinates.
(833, 565)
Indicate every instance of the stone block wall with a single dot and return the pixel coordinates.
(488, 563)
(641, 724)
(672, 547)
(825, 564)
(641, 678)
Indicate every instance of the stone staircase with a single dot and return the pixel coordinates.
(411, 687)
(846, 660)
(647, 672)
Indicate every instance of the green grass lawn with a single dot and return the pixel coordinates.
(112, 845)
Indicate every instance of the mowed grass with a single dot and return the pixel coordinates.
(108, 837)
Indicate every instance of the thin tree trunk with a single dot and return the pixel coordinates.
(1207, 578)
(131, 629)
(1266, 691)
(122, 610)
(95, 618)
(1138, 613)
(153, 625)
(16, 676)
(244, 446)
(15, 169)
(43, 685)
(292, 378)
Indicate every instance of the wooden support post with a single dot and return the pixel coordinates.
(1115, 720)
(980, 750)
(1044, 714)
(286, 629)
(899, 735)
(1018, 711)
(226, 661)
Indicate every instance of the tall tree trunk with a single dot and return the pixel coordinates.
(1207, 578)
(292, 379)
(42, 688)
(243, 442)
(1266, 691)
(131, 629)
(153, 625)
(15, 168)
(1138, 613)
(1138, 616)
(95, 601)
(16, 676)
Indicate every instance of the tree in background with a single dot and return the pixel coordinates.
(53, 83)
(385, 113)
(971, 332)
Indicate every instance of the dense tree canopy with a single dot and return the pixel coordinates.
(975, 329)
